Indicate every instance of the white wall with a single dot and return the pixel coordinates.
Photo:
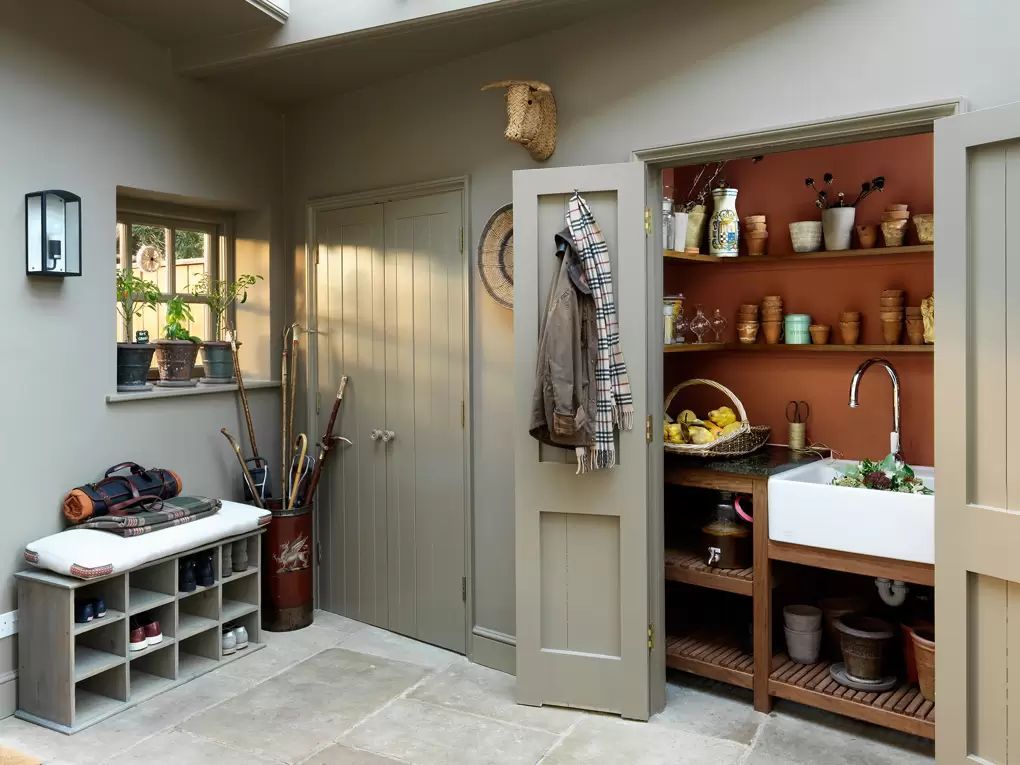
(88, 107)
(667, 74)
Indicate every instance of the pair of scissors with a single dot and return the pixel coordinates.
(798, 411)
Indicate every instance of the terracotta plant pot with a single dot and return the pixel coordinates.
(924, 225)
(909, 659)
(803, 647)
(850, 316)
(891, 331)
(754, 220)
(893, 293)
(133, 362)
(806, 235)
(755, 228)
(175, 360)
(850, 332)
(772, 330)
(892, 232)
(819, 334)
(895, 215)
(893, 302)
(899, 206)
(832, 609)
(756, 245)
(802, 618)
(865, 642)
(924, 656)
(867, 235)
(748, 332)
(837, 225)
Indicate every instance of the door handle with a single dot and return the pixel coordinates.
(388, 435)
(376, 434)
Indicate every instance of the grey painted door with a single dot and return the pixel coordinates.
(582, 541)
(391, 304)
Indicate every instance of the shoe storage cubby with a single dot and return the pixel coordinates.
(72, 675)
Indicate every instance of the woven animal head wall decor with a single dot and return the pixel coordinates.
(530, 116)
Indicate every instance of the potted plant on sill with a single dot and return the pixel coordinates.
(837, 214)
(220, 294)
(134, 295)
(177, 350)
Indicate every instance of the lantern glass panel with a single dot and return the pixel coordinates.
(33, 233)
(72, 237)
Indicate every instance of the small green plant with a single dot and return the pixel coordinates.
(221, 294)
(891, 474)
(134, 295)
(177, 314)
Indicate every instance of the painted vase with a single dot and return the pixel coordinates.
(724, 230)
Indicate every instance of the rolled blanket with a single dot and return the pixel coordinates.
(162, 515)
(114, 493)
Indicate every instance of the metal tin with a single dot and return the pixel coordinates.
(287, 569)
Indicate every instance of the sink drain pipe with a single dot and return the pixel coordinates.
(893, 592)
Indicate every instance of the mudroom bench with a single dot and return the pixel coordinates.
(72, 675)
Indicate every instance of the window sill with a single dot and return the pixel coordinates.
(199, 390)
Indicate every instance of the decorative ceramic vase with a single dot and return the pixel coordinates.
(695, 228)
(806, 235)
(679, 231)
(837, 224)
(724, 230)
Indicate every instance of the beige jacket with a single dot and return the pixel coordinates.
(563, 403)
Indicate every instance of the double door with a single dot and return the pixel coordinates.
(391, 313)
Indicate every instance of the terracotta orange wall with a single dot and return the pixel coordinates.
(766, 381)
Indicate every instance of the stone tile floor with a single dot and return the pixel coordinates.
(342, 693)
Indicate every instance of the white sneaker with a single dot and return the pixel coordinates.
(229, 643)
(241, 637)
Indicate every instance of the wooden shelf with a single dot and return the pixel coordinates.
(166, 641)
(689, 567)
(712, 655)
(797, 257)
(235, 609)
(111, 617)
(903, 708)
(89, 662)
(854, 563)
(144, 600)
(784, 348)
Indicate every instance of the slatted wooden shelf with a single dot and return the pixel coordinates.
(903, 708)
(710, 654)
(784, 348)
(797, 257)
(689, 567)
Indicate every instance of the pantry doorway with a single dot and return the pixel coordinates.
(389, 277)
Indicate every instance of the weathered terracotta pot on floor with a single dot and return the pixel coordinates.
(175, 360)
(865, 641)
(924, 655)
(803, 647)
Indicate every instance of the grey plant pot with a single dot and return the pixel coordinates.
(837, 225)
(803, 618)
(175, 360)
(218, 360)
(803, 647)
(133, 361)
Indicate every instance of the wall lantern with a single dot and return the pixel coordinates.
(52, 233)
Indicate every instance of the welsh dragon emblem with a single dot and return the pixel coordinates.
(293, 556)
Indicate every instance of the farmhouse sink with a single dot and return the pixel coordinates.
(805, 509)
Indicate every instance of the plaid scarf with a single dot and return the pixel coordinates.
(159, 515)
(614, 402)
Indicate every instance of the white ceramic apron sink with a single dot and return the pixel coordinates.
(805, 509)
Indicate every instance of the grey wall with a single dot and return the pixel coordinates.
(88, 106)
(672, 73)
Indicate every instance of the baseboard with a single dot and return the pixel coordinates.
(8, 693)
(494, 649)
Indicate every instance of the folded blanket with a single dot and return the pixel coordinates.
(161, 515)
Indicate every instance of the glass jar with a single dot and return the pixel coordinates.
(700, 325)
(667, 323)
(719, 325)
(668, 224)
(727, 538)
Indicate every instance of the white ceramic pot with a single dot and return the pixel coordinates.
(679, 230)
(806, 235)
(695, 227)
(837, 225)
(724, 230)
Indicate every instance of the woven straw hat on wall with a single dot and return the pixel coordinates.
(496, 256)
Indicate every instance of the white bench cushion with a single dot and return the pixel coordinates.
(87, 553)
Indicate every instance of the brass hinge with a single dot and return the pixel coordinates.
(462, 239)
(648, 429)
(651, 637)
(463, 589)
(463, 414)
(648, 222)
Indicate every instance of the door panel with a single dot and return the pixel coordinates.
(424, 394)
(977, 368)
(581, 541)
(353, 574)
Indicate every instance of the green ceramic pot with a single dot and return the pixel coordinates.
(133, 361)
(218, 360)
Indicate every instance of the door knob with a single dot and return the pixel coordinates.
(388, 435)
(376, 434)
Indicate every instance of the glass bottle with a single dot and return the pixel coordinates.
(700, 325)
(680, 325)
(668, 224)
(719, 324)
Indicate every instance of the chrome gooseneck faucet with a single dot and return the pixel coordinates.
(855, 383)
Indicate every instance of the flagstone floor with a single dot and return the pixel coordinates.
(342, 693)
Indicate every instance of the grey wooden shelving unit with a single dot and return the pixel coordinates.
(71, 676)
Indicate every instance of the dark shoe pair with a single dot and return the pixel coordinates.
(145, 632)
(87, 610)
(196, 571)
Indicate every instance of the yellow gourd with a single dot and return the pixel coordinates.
(722, 416)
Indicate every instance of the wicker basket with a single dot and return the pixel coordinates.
(747, 439)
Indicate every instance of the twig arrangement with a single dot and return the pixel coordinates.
(823, 201)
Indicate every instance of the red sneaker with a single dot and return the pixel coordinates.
(153, 634)
(138, 642)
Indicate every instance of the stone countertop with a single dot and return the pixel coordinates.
(768, 461)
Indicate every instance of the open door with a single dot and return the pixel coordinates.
(977, 437)
(581, 540)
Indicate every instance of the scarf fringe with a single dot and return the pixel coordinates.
(590, 459)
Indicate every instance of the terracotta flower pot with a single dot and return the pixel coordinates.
(867, 235)
(772, 330)
(893, 293)
(891, 302)
(924, 225)
(892, 232)
(924, 656)
(819, 334)
(748, 332)
(909, 659)
(756, 246)
(754, 220)
(175, 360)
(891, 331)
(865, 642)
(850, 316)
(850, 332)
(899, 206)
(895, 215)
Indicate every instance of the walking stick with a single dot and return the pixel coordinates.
(326, 443)
(244, 467)
(298, 469)
(244, 396)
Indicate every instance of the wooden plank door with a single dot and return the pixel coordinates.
(977, 437)
(581, 541)
(425, 396)
(352, 497)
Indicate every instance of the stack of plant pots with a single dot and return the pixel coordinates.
(803, 625)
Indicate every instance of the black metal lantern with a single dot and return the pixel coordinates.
(52, 233)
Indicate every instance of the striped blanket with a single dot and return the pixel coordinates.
(159, 515)
(614, 401)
